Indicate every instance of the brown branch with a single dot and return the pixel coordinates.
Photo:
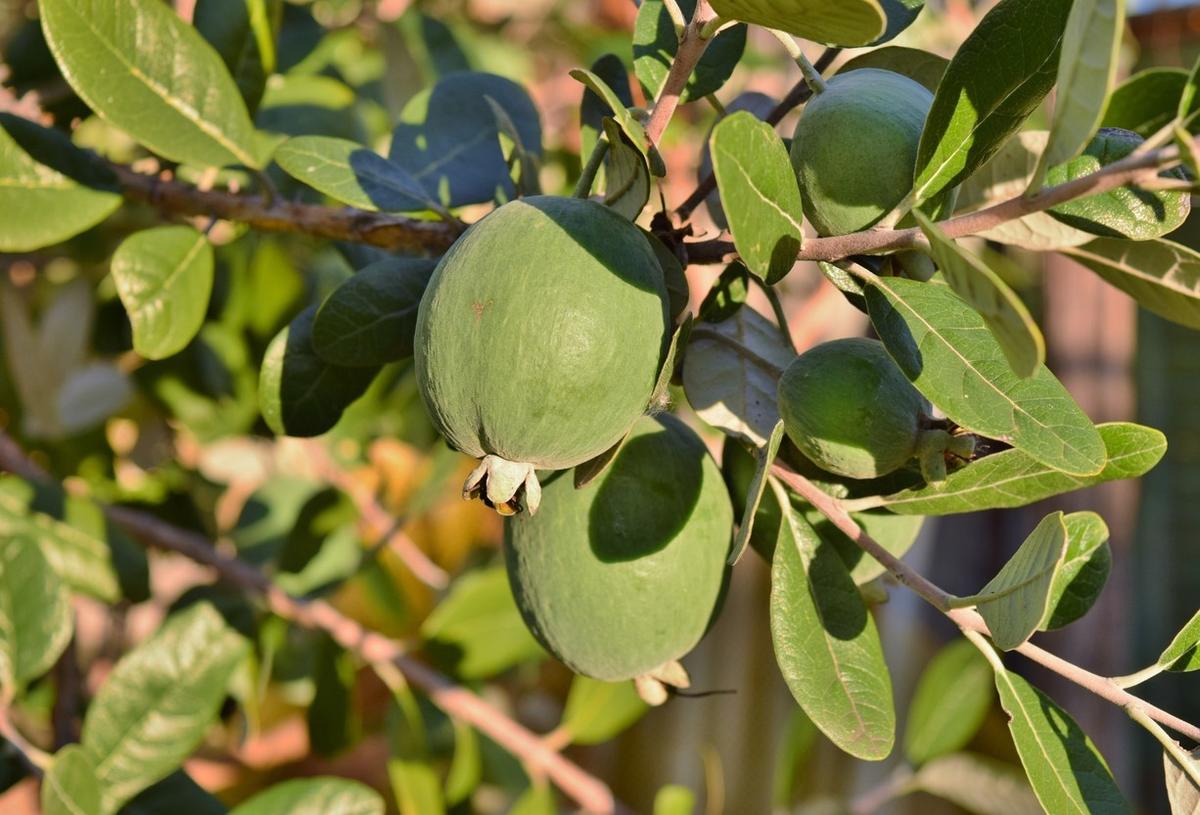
(1130, 170)
(590, 793)
(691, 48)
(969, 619)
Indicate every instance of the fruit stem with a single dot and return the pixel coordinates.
(1130, 680)
(811, 75)
(583, 188)
(777, 308)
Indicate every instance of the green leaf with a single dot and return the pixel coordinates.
(164, 277)
(979, 784)
(371, 318)
(764, 457)
(466, 767)
(920, 66)
(1182, 791)
(757, 104)
(416, 787)
(630, 126)
(243, 32)
(1011, 478)
(626, 174)
(146, 71)
(1016, 600)
(728, 390)
(315, 796)
(1005, 315)
(1085, 568)
(154, 707)
(655, 45)
(674, 800)
(330, 716)
(1189, 98)
(1066, 770)
(845, 22)
(1183, 654)
(895, 533)
(1087, 69)
(538, 799)
(613, 74)
(945, 349)
(299, 393)
(597, 711)
(826, 643)
(1147, 101)
(1161, 275)
(950, 703)
(70, 786)
(352, 174)
(759, 194)
(36, 620)
(177, 794)
(477, 629)
(49, 189)
(997, 78)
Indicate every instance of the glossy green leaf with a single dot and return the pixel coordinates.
(845, 22)
(371, 318)
(995, 81)
(154, 707)
(142, 68)
(1183, 654)
(630, 126)
(352, 174)
(1087, 69)
(299, 393)
(674, 800)
(979, 784)
(164, 277)
(1183, 792)
(597, 711)
(477, 630)
(314, 796)
(1160, 275)
(1005, 315)
(950, 703)
(946, 350)
(626, 174)
(1011, 478)
(920, 66)
(1066, 770)
(764, 457)
(826, 643)
(243, 32)
(655, 45)
(1016, 600)
(759, 194)
(36, 620)
(728, 390)
(757, 104)
(70, 786)
(1147, 101)
(49, 189)
(1084, 571)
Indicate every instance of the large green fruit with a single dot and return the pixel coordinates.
(855, 148)
(849, 408)
(539, 341)
(621, 576)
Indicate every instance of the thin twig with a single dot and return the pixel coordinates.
(1187, 763)
(691, 48)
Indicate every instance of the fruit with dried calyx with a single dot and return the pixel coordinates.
(855, 148)
(849, 408)
(539, 341)
(620, 578)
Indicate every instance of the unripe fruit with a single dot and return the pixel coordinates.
(849, 408)
(539, 341)
(855, 148)
(623, 575)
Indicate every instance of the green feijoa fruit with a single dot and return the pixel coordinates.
(539, 340)
(849, 408)
(1126, 212)
(856, 146)
(623, 575)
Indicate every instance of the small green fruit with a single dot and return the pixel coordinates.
(539, 341)
(856, 147)
(623, 575)
(849, 408)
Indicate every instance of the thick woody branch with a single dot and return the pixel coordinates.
(968, 619)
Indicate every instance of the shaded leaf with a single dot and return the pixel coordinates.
(352, 174)
(177, 794)
(597, 711)
(900, 15)
(142, 68)
(621, 114)
(1160, 275)
(70, 786)
(36, 620)
(950, 703)
(846, 22)
(1016, 600)
(764, 457)
(655, 45)
(979, 784)
(674, 800)
(315, 796)
(1183, 654)
(91, 394)
(164, 277)
(466, 767)
(613, 74)
(243, 32)
(1085, 568)
(895, 533)
(626, 174)
(331, 717)
(1147, 101)
(1182, 791)
(920, 66)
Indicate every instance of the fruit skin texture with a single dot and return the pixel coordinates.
(623, 575)
(850, 409)
(855, 148)
(540, 337)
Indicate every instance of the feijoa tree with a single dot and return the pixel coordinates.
(257, 247)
